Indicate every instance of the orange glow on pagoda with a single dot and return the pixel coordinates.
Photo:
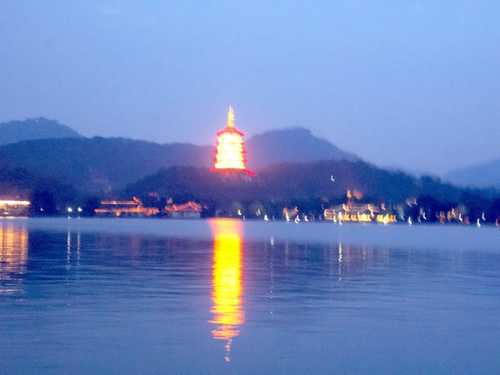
(230, 154)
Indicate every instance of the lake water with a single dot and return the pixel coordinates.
(89, 296)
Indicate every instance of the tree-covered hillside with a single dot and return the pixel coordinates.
(31, 129)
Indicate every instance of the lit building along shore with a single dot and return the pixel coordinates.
(14, 207)
(117, 208)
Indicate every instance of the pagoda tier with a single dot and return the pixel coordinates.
(230, 155)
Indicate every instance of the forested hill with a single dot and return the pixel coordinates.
(482, 175)
(293, 181)
(105, 164)
(31, 129)
(99, 164)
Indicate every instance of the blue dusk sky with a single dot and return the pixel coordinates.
(414, 84)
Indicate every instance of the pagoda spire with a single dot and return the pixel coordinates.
(230, 117)
(230, 155)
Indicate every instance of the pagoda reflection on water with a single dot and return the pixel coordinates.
(227, 286)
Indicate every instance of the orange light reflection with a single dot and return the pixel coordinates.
(227, 292)
(13, 252)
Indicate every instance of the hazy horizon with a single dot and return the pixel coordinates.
(410, 84)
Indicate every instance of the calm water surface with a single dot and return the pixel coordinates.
(166, 297)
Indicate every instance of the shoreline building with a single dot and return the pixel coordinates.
(230, 154)
(188, 210)
(14, 207)
(354, 212)
(359, 213)
(119, 208)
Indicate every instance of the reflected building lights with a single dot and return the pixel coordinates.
(78, 247)
(13, 252)
(340, 260)
(227, 289)
(70, 246)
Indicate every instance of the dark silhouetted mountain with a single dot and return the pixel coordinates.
(19, 183)
(16, 183)
(291, 145)
(483, 175)
(293, 181)
(99, 164)
(105, 164)
(311, 187)
(31, 129)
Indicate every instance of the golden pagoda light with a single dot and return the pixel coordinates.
(230, 156)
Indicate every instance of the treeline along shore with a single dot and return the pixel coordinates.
(298, 177)
(281, 191)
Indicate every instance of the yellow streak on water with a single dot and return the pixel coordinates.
(227, 289)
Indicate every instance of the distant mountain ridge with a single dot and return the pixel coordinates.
(105, 164)
(481, 175)
(294, 168)
(31, 129)
(99, 164)
(291, 145)
(289, 182)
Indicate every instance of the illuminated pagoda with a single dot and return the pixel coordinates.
(230, 153)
